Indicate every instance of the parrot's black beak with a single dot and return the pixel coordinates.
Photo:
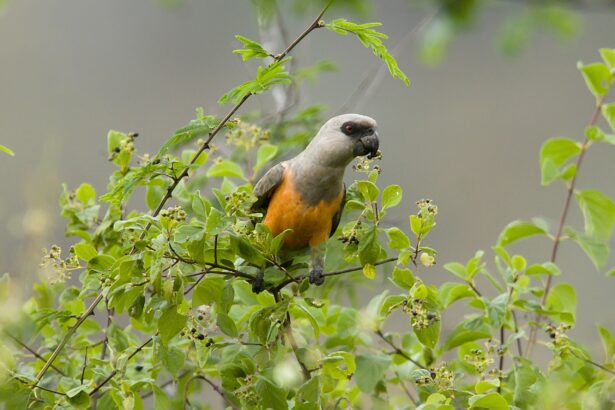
(367, 145)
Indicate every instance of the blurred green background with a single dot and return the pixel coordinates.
(466, 134)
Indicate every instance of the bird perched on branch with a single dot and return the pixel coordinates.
(307, 193)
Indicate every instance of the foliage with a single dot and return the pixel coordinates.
(161, 309)
(6, 150)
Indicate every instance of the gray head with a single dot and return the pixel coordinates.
(344, 137)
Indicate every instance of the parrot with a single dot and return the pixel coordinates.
(306, 193)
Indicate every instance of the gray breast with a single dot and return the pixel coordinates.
(315, 182)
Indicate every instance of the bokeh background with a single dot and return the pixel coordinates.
(466, 134)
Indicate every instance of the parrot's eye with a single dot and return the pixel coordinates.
(348, 128)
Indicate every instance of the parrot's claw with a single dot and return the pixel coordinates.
(258, 285)
(316, 277)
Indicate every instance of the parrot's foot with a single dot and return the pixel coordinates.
(316, 277)
(258, 285)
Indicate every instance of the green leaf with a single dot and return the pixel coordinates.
(403, 278)
(452, 292)
(369, 271)
(170, 324)
(265, 153)
(270, 395)
(547, 268)
(101, 263)
(7, 150)
(372, 39)
(608, 343)
(594, 133)
(225, 168)
(597, 251)
(251, 49)
(608, 112)
(599, 212)
(86, 193)
(227, 325)
(370, 370)
(368, 190)
(457, 269)
(608, 56)
(391, 196)
(491, 401)
(562, 298)
(369, 247)
(172, 358)
(397, 239)
(486, 385)
(266, 77)
(553, 154)
(463, 334)
(79, 397)
(391, 303)
(528, 383)
(429, 335)
(85, 251)
(597, 76)
(208, 291)
(517, 230)
(196, 128)
(308, 394)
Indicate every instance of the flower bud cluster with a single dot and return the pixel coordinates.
(420, 316)
(247, 136)
(175, 213)
(61, 267)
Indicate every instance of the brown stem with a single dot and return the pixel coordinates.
(399, 351)
(38, 356)
(562, 221)
(288, 332)
(299, 278)
(67, 337)
(114, 372)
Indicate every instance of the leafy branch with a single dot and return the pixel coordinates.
(169, 193)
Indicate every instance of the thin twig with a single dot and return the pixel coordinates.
(165, 384)
(589, 361)
(85, 364)
(558, 237)
(399, 351)
(214, 386)
(67, 337)
(290, 338)
(299, 278)
(406, 390)
(38, 356)
(114, 372)
(374, 76)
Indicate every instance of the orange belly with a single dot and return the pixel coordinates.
(311, 225)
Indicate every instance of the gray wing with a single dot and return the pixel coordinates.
(265, 187)
(338, 215)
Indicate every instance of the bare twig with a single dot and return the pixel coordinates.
(374, 76)
(114, 372)
(399, 351)
(290, 338)
(299, 278)
(214, 386)
(38, 356)
(589, 361)
(67, 336)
